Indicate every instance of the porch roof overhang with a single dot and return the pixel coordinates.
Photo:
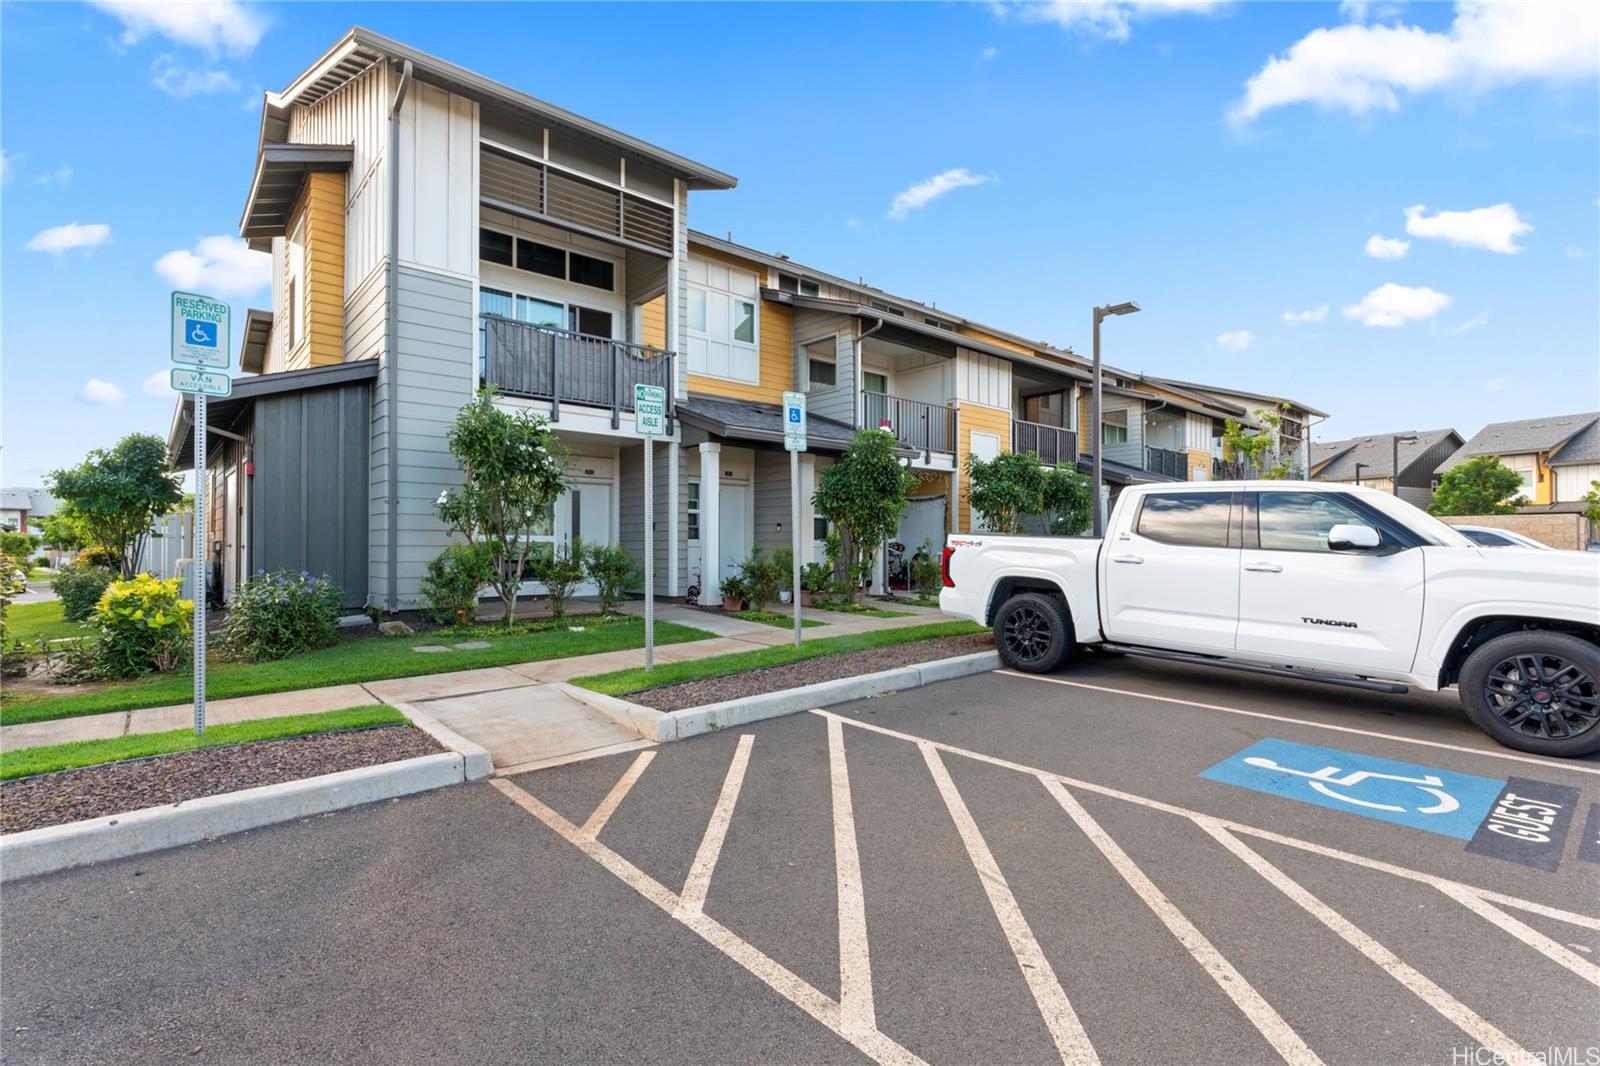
(1195, 385)
(762, 423)
(225, 412)
(1123, 473)
(257, 331)
(281, 171)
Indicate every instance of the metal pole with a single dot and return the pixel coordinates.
(200, 566)
(1394, 464)
(1095, 433)
(649, 553)
(794, 536)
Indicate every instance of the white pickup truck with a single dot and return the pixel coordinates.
(1308, 580)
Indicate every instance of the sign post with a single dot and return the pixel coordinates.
(794, 442)
(650, 422)
(200, 339)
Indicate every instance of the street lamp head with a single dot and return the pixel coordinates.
(1118, 309)
(1406, 438)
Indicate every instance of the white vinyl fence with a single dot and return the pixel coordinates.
(171, 538)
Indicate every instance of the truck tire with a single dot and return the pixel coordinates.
(1032, 633)
(1535, 691)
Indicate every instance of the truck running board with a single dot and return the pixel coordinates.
(1251, 668)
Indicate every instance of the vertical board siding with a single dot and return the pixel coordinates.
(984, 379)
(972, 417)
(355, 115)
(1572, 482)
(438, 162)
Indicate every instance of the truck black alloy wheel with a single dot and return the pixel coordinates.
(1031, 632)
(1537, 691)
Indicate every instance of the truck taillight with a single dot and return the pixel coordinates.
(944, 568)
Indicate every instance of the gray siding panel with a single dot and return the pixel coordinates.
(772, 504)
(630, 509)
(839, 402)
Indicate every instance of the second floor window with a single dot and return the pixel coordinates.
(1114, 428)
(536, 257)
(723, 322)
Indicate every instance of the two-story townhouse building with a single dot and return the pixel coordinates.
(1556, 456)
(1293, 431)
(1371, 461)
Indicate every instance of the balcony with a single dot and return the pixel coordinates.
(1167, 462)
(545, 363)
(1051, 444)
(1240, 470)
(927, 427)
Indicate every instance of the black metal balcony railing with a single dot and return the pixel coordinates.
(546, 363)
(1051, 444)
(1165, 461)
(917, 424)
(1231, 470)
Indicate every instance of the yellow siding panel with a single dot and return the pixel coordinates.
(970, 417)
(776, 358)
(998, 342)
(324, 207)
(653, 322)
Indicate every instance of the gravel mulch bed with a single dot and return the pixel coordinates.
(806, 672)
(115, 788)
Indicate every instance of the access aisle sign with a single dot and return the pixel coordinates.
(200, 383)
(650, 410)
(199, 331)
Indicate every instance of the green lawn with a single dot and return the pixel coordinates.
(846, 607)
(30, 621)
(26, 762)
(776, 618)
(39, 573)
(365, 659)
(619, 682)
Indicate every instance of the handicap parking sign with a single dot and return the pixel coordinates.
(199, 331)
(200, 334)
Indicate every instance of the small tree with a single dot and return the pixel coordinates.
(63, 531)
(514, 472)
(1006, 489)
(559, 573)
(116, 495)
(1068, 501)
(1591, 501)
(1483, 485)
(614, 571)
(1261, 450)
(863, 495)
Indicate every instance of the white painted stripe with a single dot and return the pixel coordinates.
(693, 898)
(1452, 1009)
(1284, 1040)
(1527, 934)
(770, 972)
(855, 966)
(1551, 764)
(608, 806)
(1556, 913)
(1059, 1017)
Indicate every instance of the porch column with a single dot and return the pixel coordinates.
(674, 509)
(710, 524)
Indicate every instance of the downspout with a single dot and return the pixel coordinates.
(391, 330)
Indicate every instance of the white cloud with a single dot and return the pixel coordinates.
(1387, 247)
(220, 264)
(58, 239)
(5, 168)
(1395, 305)
(924, 193)
(217, 26)
(1572, 251)
(59, 176)
(158, 384)
(1480, 319)
(102, 392)
(1361, 67)
(1495, 228)
(182, 82)
(1235, 340)
(1313, 314)
(1110, 20)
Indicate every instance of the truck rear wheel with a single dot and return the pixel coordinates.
(1535, 691)
(1032, 633)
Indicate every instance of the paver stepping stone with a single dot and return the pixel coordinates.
(429, 648)
(472, 645)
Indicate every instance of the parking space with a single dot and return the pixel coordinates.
(1008, 868)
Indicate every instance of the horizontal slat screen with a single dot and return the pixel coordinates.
(590, 206)
(563, 197)
(512, 181)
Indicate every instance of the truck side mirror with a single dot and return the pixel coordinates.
(1350, 537)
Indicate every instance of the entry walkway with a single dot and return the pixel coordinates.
(520, 712)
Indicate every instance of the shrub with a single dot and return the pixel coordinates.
(80, 589)
(761, 578)
(558, 572)
(735, 587)
(927, 576)
(615, 571)
(144, 625)
(12, 584)
(815, 577)
(18, 545)
(281, 614)
(455, 578)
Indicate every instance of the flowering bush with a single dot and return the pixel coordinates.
(143, 626)
(280, 614)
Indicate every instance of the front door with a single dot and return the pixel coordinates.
(585, 514)
(1171, 578)
(733, 533)
(1302, 603)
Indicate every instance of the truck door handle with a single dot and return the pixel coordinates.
(1135, 559)
(1264, 568)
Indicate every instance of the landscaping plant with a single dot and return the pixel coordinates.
(455, 578)
(614, 571)
(863, 495)
(18, 545)
(143, 626)
(763, 578)
(1005, 489)
(927, 576)
(116, 494)
(559, 572)
(280, 614)
(1483, 485)
(80, 589)
(513, 470)
(734, 592)
(12, 584)
(1068, 502)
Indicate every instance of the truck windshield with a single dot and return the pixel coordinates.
(1417, 520)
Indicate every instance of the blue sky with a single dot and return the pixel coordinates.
(1226, 165)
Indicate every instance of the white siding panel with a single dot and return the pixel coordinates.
(438, 180)
(984, 379)
(1197, 432)
(356, 114)
(1572, 482)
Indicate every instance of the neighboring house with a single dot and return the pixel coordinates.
(1369, 461)
(552, 258)
(1293, 431)
(20, 506)
(1557, 456)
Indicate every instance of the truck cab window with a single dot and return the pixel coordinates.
(1199, 519)
(1300, 521)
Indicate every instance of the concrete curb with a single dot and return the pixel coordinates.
(60, 847)
(475, 758)
(679, 725)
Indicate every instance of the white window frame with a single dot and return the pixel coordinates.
(691, 506)
(1106, 424)
(706, 292)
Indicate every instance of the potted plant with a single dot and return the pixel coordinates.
(734, 590)
(814, 579)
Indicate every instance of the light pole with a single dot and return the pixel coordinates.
(1394, 458)
(1358, 472)
(1094, 410)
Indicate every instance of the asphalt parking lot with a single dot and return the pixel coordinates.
(1129, 862)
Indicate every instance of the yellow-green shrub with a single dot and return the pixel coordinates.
(143, 626)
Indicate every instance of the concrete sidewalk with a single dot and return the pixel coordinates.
(518, 711)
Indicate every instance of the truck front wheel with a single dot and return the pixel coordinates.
(1535, 691)
(1032, 633)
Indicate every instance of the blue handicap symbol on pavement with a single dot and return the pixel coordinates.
(200, 333)
(1422, 797)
